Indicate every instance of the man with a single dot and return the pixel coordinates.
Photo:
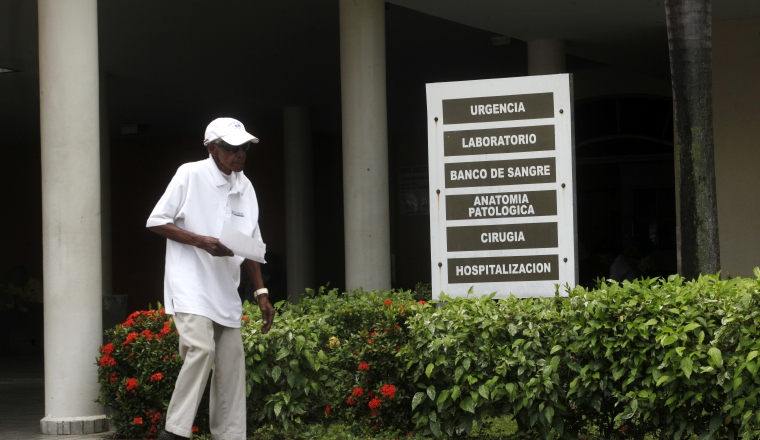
(202, 276)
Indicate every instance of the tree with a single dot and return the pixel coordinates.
(690, 42)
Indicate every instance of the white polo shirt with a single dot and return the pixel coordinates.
(199, 199)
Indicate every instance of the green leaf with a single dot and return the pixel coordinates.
(466, 363)
(483, 391)
(549, 413)
(443, 396)
(455, 392)
(651, 322)
(662, 379)
(687, 366)
(468, 404)
(431, 392)
(429, 369)
(277, 409)
(555, 349)
(276, 371)
(752, 355)
(417, 399)
(435, 428)
(282, 353)
(667, 340)
(715, 356)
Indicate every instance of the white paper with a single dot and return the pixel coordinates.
(242, 244)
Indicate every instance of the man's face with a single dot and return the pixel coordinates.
(227, 157)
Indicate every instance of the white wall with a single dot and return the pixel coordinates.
(736, 100)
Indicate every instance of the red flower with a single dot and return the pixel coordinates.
(107, 361)
(113, 377)
(130, 338)
(374, 406)
(388, 391)
(373, 334)
(246, 319)
(369, 341)
(148, 335)
(363, 366)
(328, 410)
(358, 392)
(152, 430)
(167, 328)
(129, 322)
(351, 401)
(166, 358)
(156, 376)
(422, 302)
(138, 421)
(156, 417)
(387, 302)
(107, 349)
(375, 427)
(195, 429)
(131, 384)
(623, 428)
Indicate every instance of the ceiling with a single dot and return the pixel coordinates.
(172, 65)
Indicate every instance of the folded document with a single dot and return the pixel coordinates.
(242, 244)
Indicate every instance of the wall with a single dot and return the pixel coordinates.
(736, 93)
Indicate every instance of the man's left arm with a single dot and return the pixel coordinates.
(253, 270)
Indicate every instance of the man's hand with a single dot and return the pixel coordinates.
(213, 246)
(208, 244)
(267, 313)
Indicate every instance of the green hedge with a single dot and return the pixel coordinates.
(649, 359)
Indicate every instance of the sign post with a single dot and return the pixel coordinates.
(502, 179)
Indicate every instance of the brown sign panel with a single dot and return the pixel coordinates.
(499, 205)
(500, 172)
(498, 140)
(498, 108)
(503, 269)
(497, 237)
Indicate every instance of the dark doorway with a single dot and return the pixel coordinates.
(625, 185)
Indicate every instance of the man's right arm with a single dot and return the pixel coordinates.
(209, 244)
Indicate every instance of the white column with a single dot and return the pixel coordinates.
(299, 201)
(546, 57)
(365, 144)
(71, 231)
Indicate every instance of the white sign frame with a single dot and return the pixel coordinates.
(564, 153)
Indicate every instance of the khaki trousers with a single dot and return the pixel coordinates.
(202, 342)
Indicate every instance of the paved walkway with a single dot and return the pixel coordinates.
(22, 401)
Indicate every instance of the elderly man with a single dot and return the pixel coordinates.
(202, 276)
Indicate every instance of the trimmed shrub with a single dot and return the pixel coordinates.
(652, 359)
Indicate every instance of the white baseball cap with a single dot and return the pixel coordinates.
(229, 130)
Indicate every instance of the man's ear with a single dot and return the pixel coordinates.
(211, 148)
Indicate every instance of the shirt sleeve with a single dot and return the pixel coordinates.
(257, 233)
(170, 204)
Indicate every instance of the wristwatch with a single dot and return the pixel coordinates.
(262, 291)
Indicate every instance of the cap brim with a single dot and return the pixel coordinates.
(239, 137)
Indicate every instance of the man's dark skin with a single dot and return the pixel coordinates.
(226, 162)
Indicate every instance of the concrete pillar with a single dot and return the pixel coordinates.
(299, 201)
(71, 232)
(546, 57)
(366, 215)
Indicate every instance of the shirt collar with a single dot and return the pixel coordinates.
(219, 180)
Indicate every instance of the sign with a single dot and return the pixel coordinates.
(502, 178)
